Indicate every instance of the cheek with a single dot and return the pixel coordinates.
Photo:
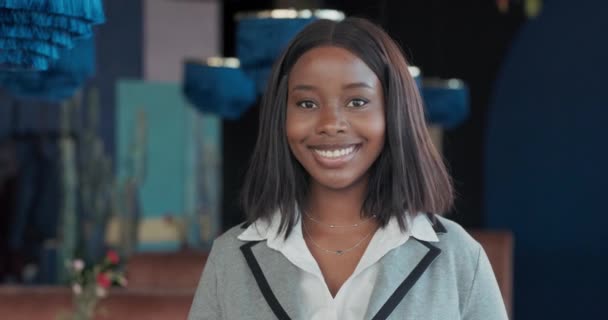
(293, 130)
(376, 128)
(378, 141)
(290, 129)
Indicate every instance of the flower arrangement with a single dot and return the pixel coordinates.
(91, 283)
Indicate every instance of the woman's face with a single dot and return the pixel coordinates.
(335, 116)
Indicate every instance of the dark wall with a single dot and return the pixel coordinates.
(238, 136)
(465, 40)
(119, 55)
(546, 156)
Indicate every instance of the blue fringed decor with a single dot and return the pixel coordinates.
(259, 75)
(261, 36)
(446, 102)
(13, 60)
(222, 90)
(34, 46)
(60, 81)
(259, 41)
(88, 10)
(55, 37)
(75, 26)
(32, 31)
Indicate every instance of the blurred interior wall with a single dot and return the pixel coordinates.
(545, 161)
(173, 30)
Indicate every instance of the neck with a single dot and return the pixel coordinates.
(339, 207)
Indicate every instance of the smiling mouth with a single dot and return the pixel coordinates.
(334, 156)
(335, 153)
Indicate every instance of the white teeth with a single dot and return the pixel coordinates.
(335, 153)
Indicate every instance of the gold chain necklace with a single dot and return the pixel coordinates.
(337, 252)
(338, 226)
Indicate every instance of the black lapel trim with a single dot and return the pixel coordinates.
(271, 299)
(245, 225)
(437, 225)
(408, 283)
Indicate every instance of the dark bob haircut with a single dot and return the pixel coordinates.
(409, 175)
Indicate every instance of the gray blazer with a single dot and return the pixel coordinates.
(445, 280)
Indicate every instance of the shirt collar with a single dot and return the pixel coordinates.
(262, 229)
(419, 227)
(295, 250)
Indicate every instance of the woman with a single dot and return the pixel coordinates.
(341, 198)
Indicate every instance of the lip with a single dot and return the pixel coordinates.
(333, 146)
(337, 162)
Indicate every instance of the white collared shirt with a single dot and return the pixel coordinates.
(353, 298)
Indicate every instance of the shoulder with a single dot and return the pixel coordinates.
(465, 260)
(227, 245)
(456, 243)
(453, 233)
(229, 239)
(458, 258)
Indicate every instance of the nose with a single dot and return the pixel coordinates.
(331, 121)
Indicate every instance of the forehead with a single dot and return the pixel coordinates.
(330, 64)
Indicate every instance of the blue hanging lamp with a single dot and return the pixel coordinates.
(218, 86)
(415, 73)
(53, 36)
(60, 81)
(33, 31)
(15, 60)
(35, 47)
(74, 25)
(262, 35)
(446, 101)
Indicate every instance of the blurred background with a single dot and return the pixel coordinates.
(130, 130)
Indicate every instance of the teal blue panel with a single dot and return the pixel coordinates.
(174, 152)
(165, 112)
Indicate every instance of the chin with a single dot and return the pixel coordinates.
(336, 183)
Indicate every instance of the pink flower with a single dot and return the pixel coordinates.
(112, 256)
(78, 265)
(103, 280)
(77, 289)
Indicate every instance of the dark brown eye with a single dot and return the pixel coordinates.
(357, 103)
(306, 104)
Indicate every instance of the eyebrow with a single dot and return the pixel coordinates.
(354, 85)
(358, 85)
